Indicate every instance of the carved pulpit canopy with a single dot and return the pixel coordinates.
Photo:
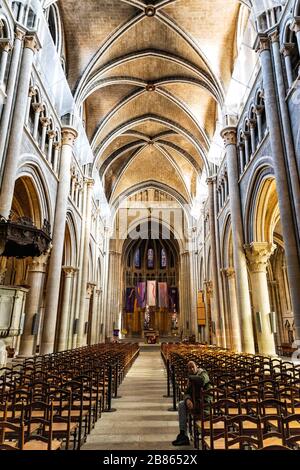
(19, 237)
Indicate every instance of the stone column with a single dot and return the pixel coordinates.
(246, 136)
(51, 135)
(286, 50)
(45, 123)
(37, 270)
(105, 283)
(288, 141)
(284, 197)
(64, 323)
(258, 112)
(31, 93)
(295, 26)
(252, 134)
(53, 284)
(242, 157)
(16, 131)
(114, 290)
(5, 48)
(89, 184)
(208, 291)
(278, 312)
(88, 313)
(258, 254)
(214, 260)
(229, 135)
(38, 108)
(220, 291)
(187, 293)
(234, 314)
(95, 325)
(57, 147)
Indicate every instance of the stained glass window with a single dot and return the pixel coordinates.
(137, 258)
(163, 259)
(150, 258)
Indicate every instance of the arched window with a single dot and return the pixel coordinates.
(52, 23)
(24, 14)
(150, 258)
(291, 52)
(260, 112)
(254, 130)
(242, 159)
(172, 264)
(163, 258)
(5, 56)
(137, 258)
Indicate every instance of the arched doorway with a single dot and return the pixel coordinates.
(151, 283)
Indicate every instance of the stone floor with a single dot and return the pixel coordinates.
(142, 420)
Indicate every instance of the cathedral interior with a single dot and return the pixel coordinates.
(149, 205)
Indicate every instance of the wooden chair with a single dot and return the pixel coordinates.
(42, 439)
(7, 428)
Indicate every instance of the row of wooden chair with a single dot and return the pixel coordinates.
(251, 386)
(55, 400)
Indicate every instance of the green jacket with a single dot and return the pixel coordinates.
(199, 381)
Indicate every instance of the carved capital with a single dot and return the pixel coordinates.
(208, 286)
(229, 135)
(295, 25)
(5, 45)
(211, 180)
(32, 92)
(274, 36)
(229, 272)
(258, 254)
(39, 264)
(57, 145)
(89, 182)
(258, 109)
(69, 271)
(90, 288)
(20, 33)
(31, 42)
(287, 49)
(38, 107)
(51, 134)
(45, 121)
(252, 123)
(246, 135)
(263, 43)
(68, 135)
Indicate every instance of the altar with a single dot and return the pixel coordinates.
(151, 336)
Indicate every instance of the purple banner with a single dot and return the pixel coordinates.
(173, 299)
(141, 294)
(130, 298)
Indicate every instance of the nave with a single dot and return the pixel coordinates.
(142, 420)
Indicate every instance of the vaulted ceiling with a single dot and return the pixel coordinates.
(150, 79)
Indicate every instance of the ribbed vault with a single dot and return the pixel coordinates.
(151, 78)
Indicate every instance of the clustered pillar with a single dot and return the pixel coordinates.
(54, 273)
(229, 135)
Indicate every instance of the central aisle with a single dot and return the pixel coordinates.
(142, 420)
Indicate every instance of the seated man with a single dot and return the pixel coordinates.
(186, 405)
